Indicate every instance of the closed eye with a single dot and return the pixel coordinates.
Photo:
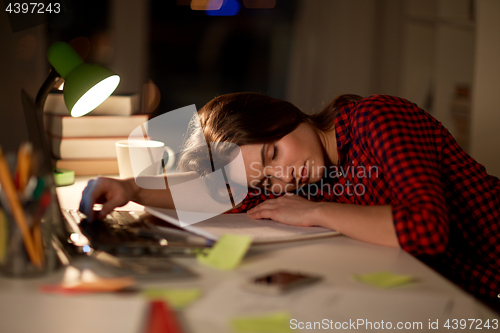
(275, 152)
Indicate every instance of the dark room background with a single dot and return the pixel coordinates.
(191, 55)
(436, 53)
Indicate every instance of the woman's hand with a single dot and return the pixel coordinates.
(288, 209)
(110, 192)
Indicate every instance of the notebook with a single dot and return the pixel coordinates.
(262, 231)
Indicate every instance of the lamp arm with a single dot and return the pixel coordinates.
(45, 89)
(61, 177)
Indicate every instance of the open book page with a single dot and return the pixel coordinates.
(262, 231)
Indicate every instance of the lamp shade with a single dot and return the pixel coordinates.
(86, 86)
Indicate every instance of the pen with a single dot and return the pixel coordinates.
(17, 210)
(162, 319)
(173, 324)
(30, 188)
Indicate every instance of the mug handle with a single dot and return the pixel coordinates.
(171, 158)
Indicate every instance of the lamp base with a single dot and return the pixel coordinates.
(64, 177)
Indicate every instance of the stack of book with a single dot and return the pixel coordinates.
(86, 144)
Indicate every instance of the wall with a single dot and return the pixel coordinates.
(344, 47)
(485, 140)
(326, 61)
(129, 28)
(22, 66)
(438, 60)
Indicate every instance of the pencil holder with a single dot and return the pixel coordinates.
(26, 234)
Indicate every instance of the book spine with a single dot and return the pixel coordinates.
(89, 167)
(124, 105)
(84, 148)
(93, 126)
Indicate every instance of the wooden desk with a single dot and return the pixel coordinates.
(337, 259)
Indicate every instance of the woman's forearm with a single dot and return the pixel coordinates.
(155, 191)
(371, 224)
(153, 198)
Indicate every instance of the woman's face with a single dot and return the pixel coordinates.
(293, 161)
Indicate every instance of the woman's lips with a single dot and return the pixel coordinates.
(304, 175)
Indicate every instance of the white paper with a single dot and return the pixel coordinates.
(262, 231)
(318, 303)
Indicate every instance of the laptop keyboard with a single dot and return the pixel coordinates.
(122, 233)
(116, 233)
(119, 217)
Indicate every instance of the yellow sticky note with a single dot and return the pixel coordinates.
(278, 322)
(177, 298)
(384, 279)
(227, 253)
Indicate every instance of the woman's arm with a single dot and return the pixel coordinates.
(371, 224)
(407, 143)
(114, 193)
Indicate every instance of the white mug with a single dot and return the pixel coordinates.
(140, 157)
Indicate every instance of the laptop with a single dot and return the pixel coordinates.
(127, 241)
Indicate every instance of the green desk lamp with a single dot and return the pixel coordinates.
(86, 86)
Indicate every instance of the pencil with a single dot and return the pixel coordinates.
(4, 232)
(36, 229)
(17, 210)
(38, 241)
(24, 163)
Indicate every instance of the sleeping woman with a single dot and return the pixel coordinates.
(377, 169)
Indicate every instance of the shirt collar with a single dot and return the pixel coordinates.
(343, 125)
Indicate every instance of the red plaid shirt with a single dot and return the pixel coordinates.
(446, 208)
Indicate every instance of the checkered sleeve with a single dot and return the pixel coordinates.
(405, 141)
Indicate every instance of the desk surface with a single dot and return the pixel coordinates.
(338, 297)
